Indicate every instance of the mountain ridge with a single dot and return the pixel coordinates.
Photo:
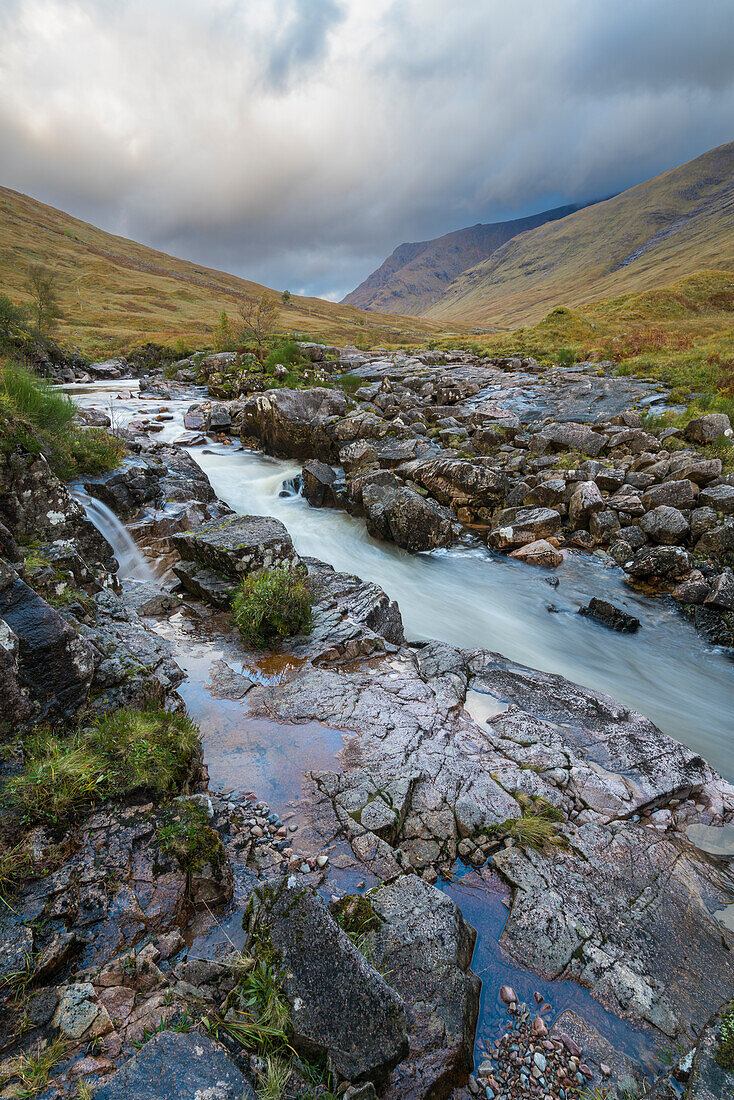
(416, 273)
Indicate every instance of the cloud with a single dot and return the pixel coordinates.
(297, 142)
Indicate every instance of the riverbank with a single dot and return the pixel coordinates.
(446, 754)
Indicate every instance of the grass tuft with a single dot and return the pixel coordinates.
(40, 420)
(271, 605)
(32, 1070)
(120, 753)
(537, 827)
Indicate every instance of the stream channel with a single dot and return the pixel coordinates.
(467, 597)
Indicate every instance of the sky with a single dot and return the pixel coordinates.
(297, 142)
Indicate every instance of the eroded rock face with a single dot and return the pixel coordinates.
(46, 666)
(35, 505)
(294, 423)
(237, 545)
(341, 1006)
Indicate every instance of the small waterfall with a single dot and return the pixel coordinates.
(133, 566)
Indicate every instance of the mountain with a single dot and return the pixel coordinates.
(116, 293)
(662, 230)
(417, 275)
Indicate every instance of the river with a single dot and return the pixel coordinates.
(472, 597)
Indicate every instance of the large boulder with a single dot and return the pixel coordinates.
(425, 946)
(519, 526)
(665, 525)
(570, 437)
(341, 1006)
(317, 480)
(46, 668)
(294, 423)
(134, 483)
(401, 515)
(708, 428)
(173, 1066)
(719, 497)
(35, 505)
(585, 500)
(237, 545)
(459, 483)
(673, 494)
(651, 563)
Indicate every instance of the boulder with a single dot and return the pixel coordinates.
(134, 483)
(674, 494)
(46, 668)
(341, 1006)
(425, 946)
(697, 469)
(237, 545)
(519, 526)
(401, 515)
(317, 479)
(569, 437)
(294, 423)
(721, 596)
(458, 483)
(585, 500)
(665, 525)
(718, 544)
(708, 428)
(719, 497)
(670, 563)
(174, 1065)
(608, 615)
(540, 552)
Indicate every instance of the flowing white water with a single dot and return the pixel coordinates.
(473, 598)
(133, 565)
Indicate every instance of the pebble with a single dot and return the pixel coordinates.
(321, 861)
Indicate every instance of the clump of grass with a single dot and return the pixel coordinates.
(33, 1070)
(39, 419)
(258, 1015)
(121, 752)
(187, 836)
(144, 749)
(275, 1079)
(724, 1053)
(15, 863)
(537, 826)
(271, 605)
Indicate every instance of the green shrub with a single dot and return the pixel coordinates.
(566, 357)
(272, 604)
(122, 752)
(287, 354)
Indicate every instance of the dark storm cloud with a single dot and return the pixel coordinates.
(298, 141)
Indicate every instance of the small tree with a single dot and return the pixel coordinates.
(285, 297)
(12, 317)
(225, 338)
(258, 314)
(45, 307)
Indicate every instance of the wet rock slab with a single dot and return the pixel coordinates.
(171, 1066)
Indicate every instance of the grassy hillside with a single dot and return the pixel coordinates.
(116, 293)
(647, 237)
(417, 275)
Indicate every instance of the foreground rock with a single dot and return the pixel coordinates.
(171, 1066)
(340, 1005)
(238, 545)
